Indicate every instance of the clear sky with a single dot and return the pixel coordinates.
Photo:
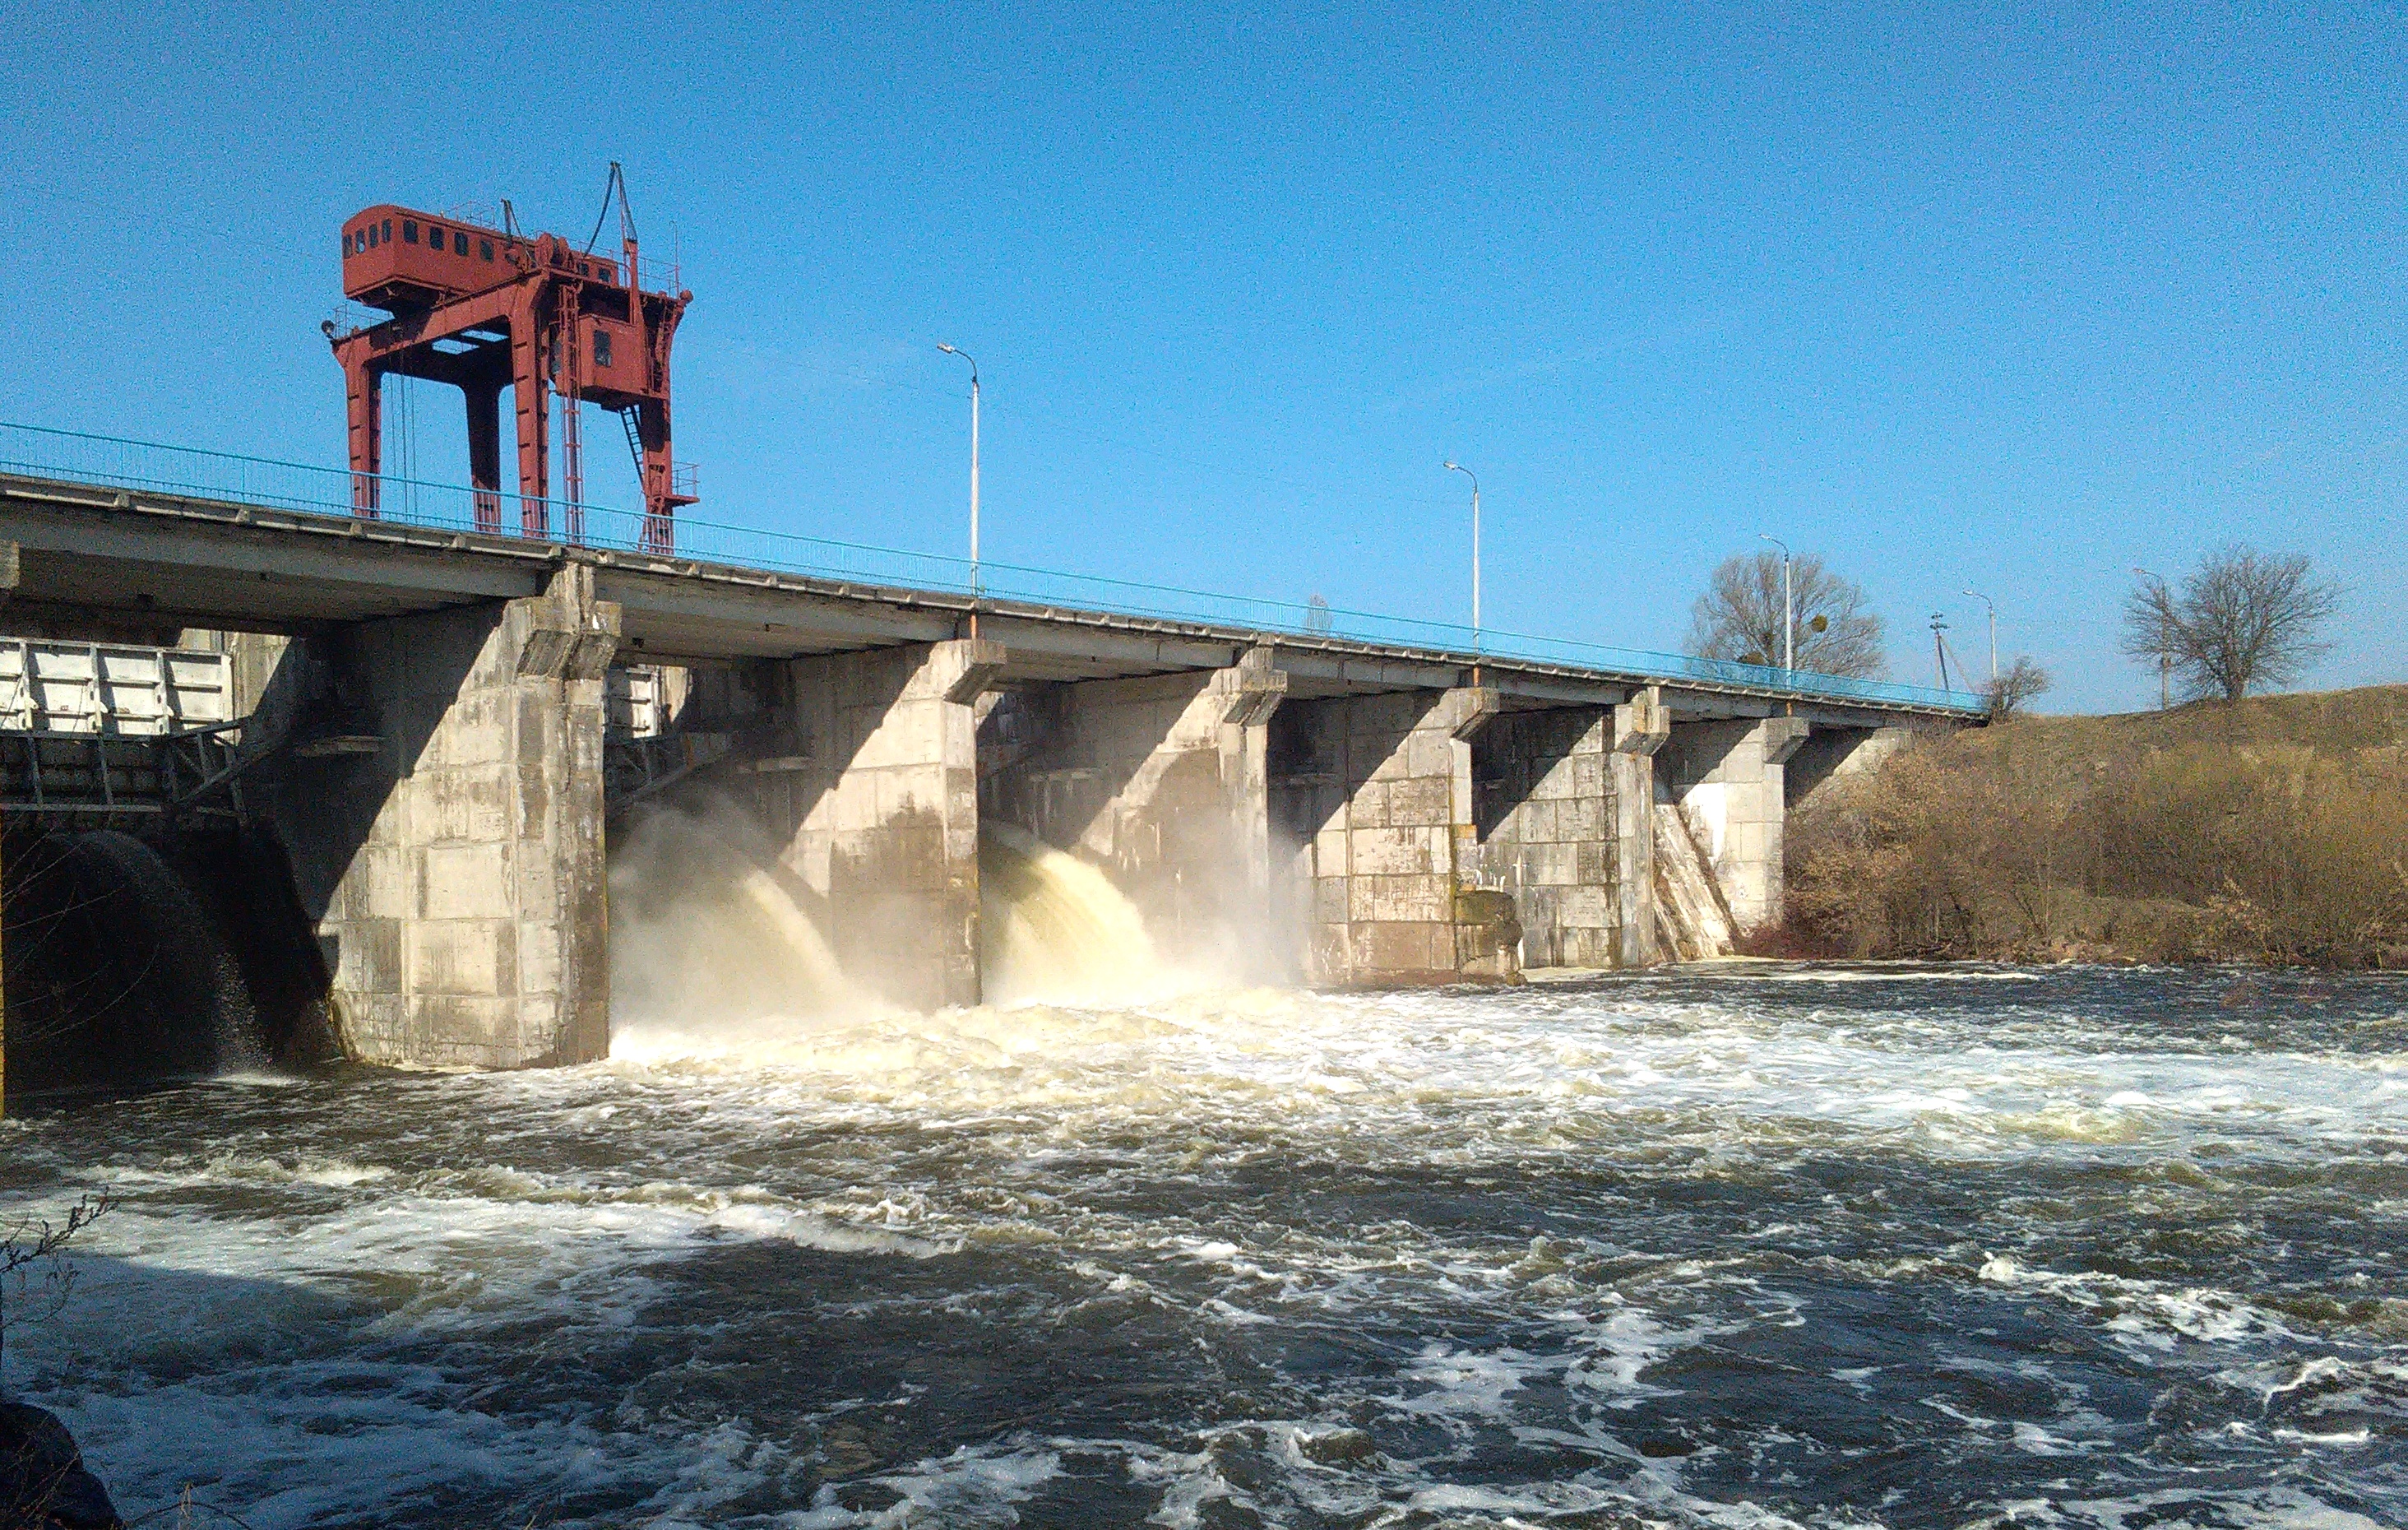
(2011, 299)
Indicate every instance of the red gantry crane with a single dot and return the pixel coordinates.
(484, 308)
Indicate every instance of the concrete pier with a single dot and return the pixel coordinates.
(1727, 776)
(442, 809)
(1376, 792)
(1640, 728)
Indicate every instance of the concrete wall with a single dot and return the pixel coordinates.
(440, 797)
(874, 797)
(1727, 777)
(1375, 794)
(1561, 801)
(1160, 781)
(1832, 755)
(1543, 799)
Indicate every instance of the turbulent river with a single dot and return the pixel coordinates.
(1752, 1247)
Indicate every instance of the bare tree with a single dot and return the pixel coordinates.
(2023, 683)
(2243, 621)
(1739, 617)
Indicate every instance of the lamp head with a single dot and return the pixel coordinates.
(947, 349)
(1452, 467)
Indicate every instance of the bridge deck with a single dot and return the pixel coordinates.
(99, 556)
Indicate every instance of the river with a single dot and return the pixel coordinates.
(1746, 1247)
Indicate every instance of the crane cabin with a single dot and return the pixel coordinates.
(485, 309)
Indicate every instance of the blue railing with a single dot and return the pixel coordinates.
(40, 451)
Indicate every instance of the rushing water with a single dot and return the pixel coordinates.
(1754, 1247)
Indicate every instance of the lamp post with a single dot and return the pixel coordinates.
(1789, 607)
(1459, 468)
(953, 351)
(2165, 659)
(1994, 634)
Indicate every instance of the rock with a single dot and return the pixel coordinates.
(43, 1484)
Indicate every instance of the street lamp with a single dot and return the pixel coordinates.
(1788, 608)
(2165, 659)
(1994, 635)
(953, 351)
(1459, 468)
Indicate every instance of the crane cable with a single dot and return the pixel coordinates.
(618, 182)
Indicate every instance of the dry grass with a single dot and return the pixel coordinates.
(2273, 830)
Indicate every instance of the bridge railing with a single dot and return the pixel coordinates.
(36, 451)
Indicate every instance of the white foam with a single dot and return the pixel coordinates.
(1025, 1129)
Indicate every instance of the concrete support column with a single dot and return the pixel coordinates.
(879, 811)
(1728, 779)
(453, 859)
(1246, 696)
(1379, 789)
(1640, 728)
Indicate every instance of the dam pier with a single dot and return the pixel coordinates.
(433, 731)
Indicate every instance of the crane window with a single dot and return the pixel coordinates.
(459, 242)
(372, 236)
(484, 249)
(388, 233)
(408, 231)
(601, 348)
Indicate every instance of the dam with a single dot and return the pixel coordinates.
(424, 732)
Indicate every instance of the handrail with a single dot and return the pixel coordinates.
(122, 462)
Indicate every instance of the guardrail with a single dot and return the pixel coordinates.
(38, 451)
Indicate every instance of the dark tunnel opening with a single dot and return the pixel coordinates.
(127, 961)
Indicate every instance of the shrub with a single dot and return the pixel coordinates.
(2048, 838)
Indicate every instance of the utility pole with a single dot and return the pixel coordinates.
(1939, 652)
(1788, 608)
(952, 351)
(1994, 635)
(2164, 652)
(1459, 468)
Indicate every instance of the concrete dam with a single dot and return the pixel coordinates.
(383, 765)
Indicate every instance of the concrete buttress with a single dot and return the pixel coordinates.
(1641, 728)
(450, 849)
(1727, 776)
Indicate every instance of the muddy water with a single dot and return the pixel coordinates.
(1763, 1247)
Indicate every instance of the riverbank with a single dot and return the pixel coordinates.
(2275, 829)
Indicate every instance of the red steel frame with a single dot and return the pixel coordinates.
(483, 308)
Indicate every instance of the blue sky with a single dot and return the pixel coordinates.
(2013, 298)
